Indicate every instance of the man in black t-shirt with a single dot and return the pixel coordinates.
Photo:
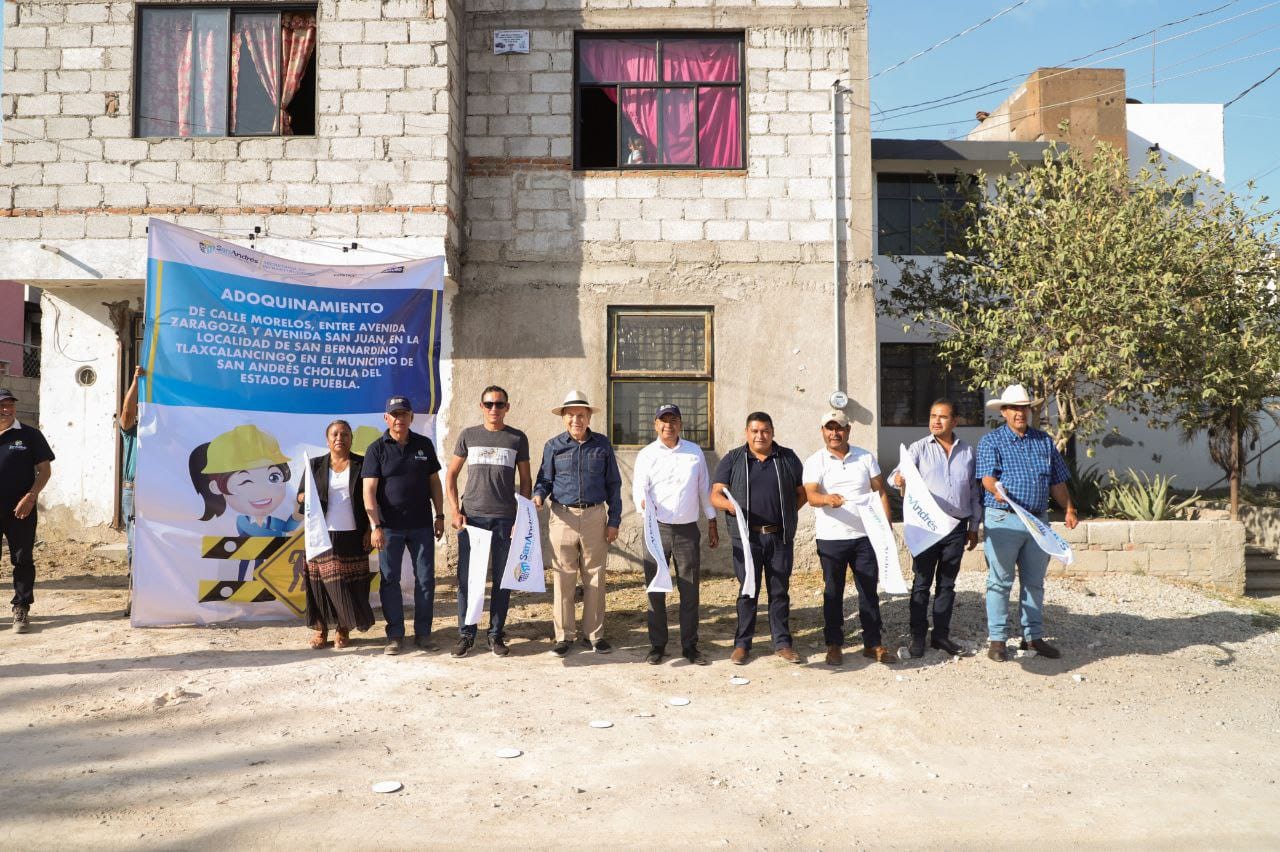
(25, 469)
(401, 487)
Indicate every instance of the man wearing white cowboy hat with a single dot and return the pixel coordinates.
(579, 476)
(1029, 466)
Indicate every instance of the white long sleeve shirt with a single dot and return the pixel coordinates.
(678, 479)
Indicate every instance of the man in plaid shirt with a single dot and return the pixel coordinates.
(1029, 466)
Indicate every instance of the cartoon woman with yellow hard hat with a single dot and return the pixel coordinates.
(245, 471)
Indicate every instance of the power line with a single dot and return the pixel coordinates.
(1098, 94)
(949, 39)
(983, 90)
(1251, 88)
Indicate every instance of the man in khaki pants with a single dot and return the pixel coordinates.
(579, 476)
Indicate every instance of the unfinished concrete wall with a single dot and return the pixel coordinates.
(378, 168)
(550, 249)
(1210, 553)
(1091, 100)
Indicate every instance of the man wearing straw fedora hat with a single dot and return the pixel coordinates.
(1026, 462)
(579, 477)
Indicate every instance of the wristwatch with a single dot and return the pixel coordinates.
(377, 526)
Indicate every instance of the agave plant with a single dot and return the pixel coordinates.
(1086, 487)
(1145, 498)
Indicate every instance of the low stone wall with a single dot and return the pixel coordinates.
(1262, 526)
(1207, 552)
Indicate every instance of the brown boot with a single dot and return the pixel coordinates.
(1042, 648)
(880, 654)
(789, 654)
(998, 651)
(835, 655)
(739, 656)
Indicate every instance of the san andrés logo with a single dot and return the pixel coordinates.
(523, 567)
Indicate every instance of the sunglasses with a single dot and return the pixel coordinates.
(494, 404)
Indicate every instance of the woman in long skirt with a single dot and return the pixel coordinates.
(338, 583)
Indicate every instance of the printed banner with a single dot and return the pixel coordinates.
(1046, 539)
(924, 524)
(314, 522)
(653, 542)
(748, 561)
(480, 543)
(249, 358)
(524, 571)
(880, 532)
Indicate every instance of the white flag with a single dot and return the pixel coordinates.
(880, 532)
(523, 571)
(316, 526)
(748, 563)
(924, 524)
(653, 542)
(1046, 539)
(480, 542)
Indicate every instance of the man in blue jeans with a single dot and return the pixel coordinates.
(401, 487)
(1029, 466)
(493, 453)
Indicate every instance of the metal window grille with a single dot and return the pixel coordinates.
(659, 356)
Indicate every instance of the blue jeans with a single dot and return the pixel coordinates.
(126, 511)
(422, 552)
(499, 598)
(1008, 544)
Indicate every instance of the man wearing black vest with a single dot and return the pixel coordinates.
(765, 479)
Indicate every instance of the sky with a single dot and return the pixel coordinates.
(1042, 33)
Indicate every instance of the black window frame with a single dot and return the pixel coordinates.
(952, 382)
(658, 36)
(704, 376)
(231, 9)
(922, 234)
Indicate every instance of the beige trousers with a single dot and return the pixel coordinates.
(578, 549)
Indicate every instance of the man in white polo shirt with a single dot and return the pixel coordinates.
(834, 478)
(674, 473)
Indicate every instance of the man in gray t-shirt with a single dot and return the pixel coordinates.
(493, 454)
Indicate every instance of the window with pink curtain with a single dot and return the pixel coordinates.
(190, 64)
(646, 102)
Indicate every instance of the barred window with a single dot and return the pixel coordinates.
(659, 356)
(910, 213)
(912, 377)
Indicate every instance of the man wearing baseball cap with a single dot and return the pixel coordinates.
(833, 476)
(401, 489)
(673, 472)
(25, 468)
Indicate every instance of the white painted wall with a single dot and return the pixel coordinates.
(77, 420)
(1190, 137)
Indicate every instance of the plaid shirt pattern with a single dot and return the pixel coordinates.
(1026, 465)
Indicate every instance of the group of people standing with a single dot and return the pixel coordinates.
(393, 499)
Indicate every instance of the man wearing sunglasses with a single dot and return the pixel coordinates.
(493, 453)
(1026, 462)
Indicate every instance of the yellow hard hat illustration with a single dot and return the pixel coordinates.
(243, 448)
(364, 436)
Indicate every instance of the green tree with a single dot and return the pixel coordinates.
(1066, 277)
(1228, 331)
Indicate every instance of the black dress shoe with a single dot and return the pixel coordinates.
(916, 648)
(560, 648)
(601, 646)
(654, 656)
(697, 658)
(942, 643)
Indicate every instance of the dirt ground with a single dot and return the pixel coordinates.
(1159, 727)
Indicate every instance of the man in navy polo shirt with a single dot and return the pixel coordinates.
(25, 469)
(401, 487)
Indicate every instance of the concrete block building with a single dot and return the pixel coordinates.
(645, 201)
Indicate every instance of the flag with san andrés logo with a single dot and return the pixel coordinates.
(249, 359)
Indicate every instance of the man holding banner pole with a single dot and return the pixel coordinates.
(401, 485)
(764, 479)
(945, 465)
(673, 472)
(835, 479)
(1021, 464)
(493, 453)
